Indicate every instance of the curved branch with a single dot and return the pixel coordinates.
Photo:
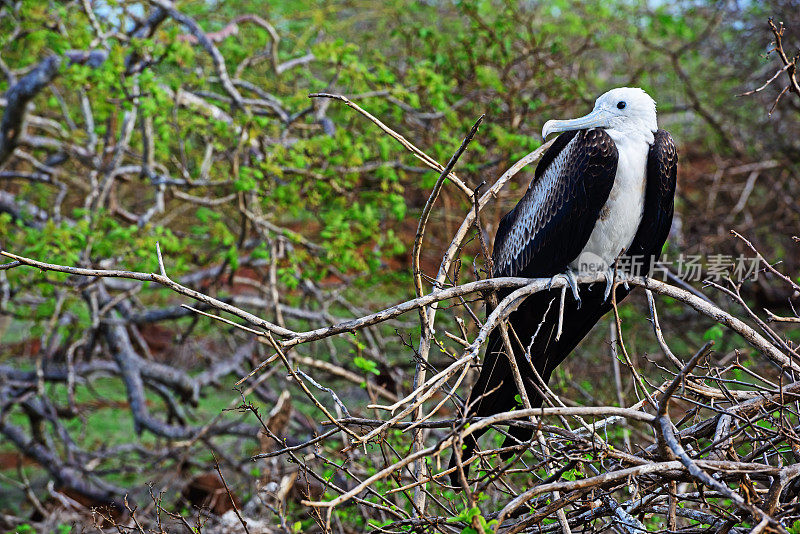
(205, 42)
(29, 86)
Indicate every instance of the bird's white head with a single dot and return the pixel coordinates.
(626, 110)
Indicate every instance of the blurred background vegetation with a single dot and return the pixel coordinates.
(300, 210)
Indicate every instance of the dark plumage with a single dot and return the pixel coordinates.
(545, 232)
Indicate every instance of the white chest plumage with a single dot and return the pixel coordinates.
(620, 216)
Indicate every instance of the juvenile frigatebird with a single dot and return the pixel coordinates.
(602, 196)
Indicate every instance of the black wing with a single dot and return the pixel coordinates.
(549, 227)
(659, 200)
(494, 390)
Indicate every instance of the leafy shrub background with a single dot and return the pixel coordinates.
(308, 192)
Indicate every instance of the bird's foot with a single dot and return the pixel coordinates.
(572, 280)
(609, 276)
(624, 281)
(556, 277)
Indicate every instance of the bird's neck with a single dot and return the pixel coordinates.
(631, 136)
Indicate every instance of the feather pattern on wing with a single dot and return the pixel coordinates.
(549, 227)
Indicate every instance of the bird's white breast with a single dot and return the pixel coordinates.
(620, 216)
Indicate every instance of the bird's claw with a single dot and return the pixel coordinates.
(571, 280)
(609, 276)
(554, 278)
(573, 284)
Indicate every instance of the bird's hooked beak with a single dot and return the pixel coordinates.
(598, 118)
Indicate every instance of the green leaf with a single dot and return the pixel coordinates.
(366, 365)
(715, 333)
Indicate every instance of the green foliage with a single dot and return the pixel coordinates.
(572, 474)
(366, 365)
(339, 202)
(715, 333)
(486, 62)
(468, 515)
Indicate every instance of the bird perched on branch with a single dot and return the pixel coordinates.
(602, 196)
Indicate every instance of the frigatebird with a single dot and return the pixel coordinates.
(601, 199)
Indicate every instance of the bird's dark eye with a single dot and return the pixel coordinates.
(621, 104)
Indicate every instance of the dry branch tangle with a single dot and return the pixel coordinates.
(739, 410)
(531, 286)
(435, 382)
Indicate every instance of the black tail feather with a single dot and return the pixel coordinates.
(517, 435)
(495, 390)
